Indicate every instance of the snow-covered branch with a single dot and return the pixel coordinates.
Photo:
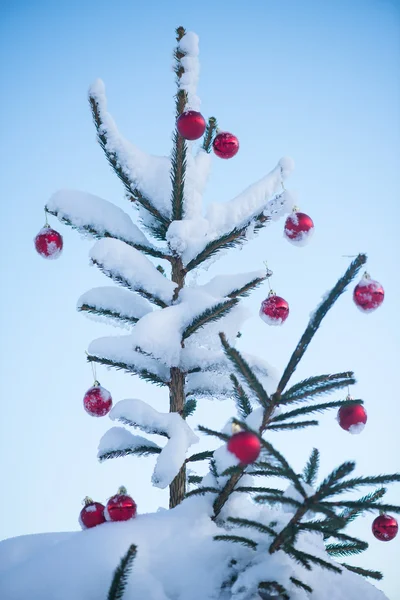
(114, 303)
(128, 267)
(118, 441)
(145, 177)
(99, 218)
(180, 436)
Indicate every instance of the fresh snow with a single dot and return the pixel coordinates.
(177, 559)
(120, 349)
(121, 260)
(119, 438)
(86, 211)
(117, 301)
(190, 236)
(150, 174)
(189, 44)
(180, 436)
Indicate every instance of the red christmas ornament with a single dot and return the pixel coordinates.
(299, 227)
(97, 401)
(385, 528)
(191, 125)
(92, 514)
(225, 145)
(245, 446)
(49, 243)
(368, 294)
(120, 507)
(274, 310)
(352, 418)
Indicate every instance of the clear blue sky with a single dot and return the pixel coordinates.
(318, 81)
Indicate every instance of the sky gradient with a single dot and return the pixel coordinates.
(318, 81)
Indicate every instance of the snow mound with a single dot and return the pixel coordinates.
(177, 559)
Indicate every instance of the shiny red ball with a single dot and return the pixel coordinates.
(274, 310)
(120, 507)
(245, 446)
(368, 294)
(92, 514)
(298, 228)
(385, 528)
(352, 418)
(191, 125)
(97, 401)
(49, 243)
(225, 145)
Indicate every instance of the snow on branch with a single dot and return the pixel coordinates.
(98, 218)
(128, 267)
(231, 223)
(115, 303)
(180, 437)
(189, 46)
(119, 352)
(146, 177)
(118, 441)
(235, 285)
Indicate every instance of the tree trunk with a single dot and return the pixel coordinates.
(177, 488)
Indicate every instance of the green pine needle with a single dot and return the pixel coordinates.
(121, 574)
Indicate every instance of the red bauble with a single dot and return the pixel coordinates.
(274, 310)
(225, 145)
(97, 401)
(120, 507)
(368, 294)
(245, 446)
(385, 528)
(92, 514)
(352, 418)
(191, 125)
(49, 243)
(299, 227)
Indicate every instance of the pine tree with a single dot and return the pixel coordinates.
(183, 339)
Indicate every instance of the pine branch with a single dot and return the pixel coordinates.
(317, 386)
(237, 539)
(361, 506)
(244, 369)
(232, 470)
(209, 134)
(301, 584)
(202, 491)
(252, 525)
(121, 574)
(125, 283)
(293, 425)
(351, 484)
(286, 468)
(364, 572)
(131, 369)
(348, 515)
(243, 404)
(109, 314)
(272, 586)
(312, 408)
(336, 475)
(89, 229)
(310, 558)
(317, 318)
(310, 472)
(273, 499)
(132, 189)
(194, 479)
(189, 408)
(346, 549)
(135, 450)
(209, 316)
(222, 436)
(178, 169)
(248, 287)
(232, 239)
(259, 490)
(153, 430)
(207, 454)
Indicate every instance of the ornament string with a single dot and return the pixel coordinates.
(46, 224)
(268, 278)
(93, 366)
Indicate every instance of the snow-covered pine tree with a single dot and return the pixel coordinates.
(237, 533)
